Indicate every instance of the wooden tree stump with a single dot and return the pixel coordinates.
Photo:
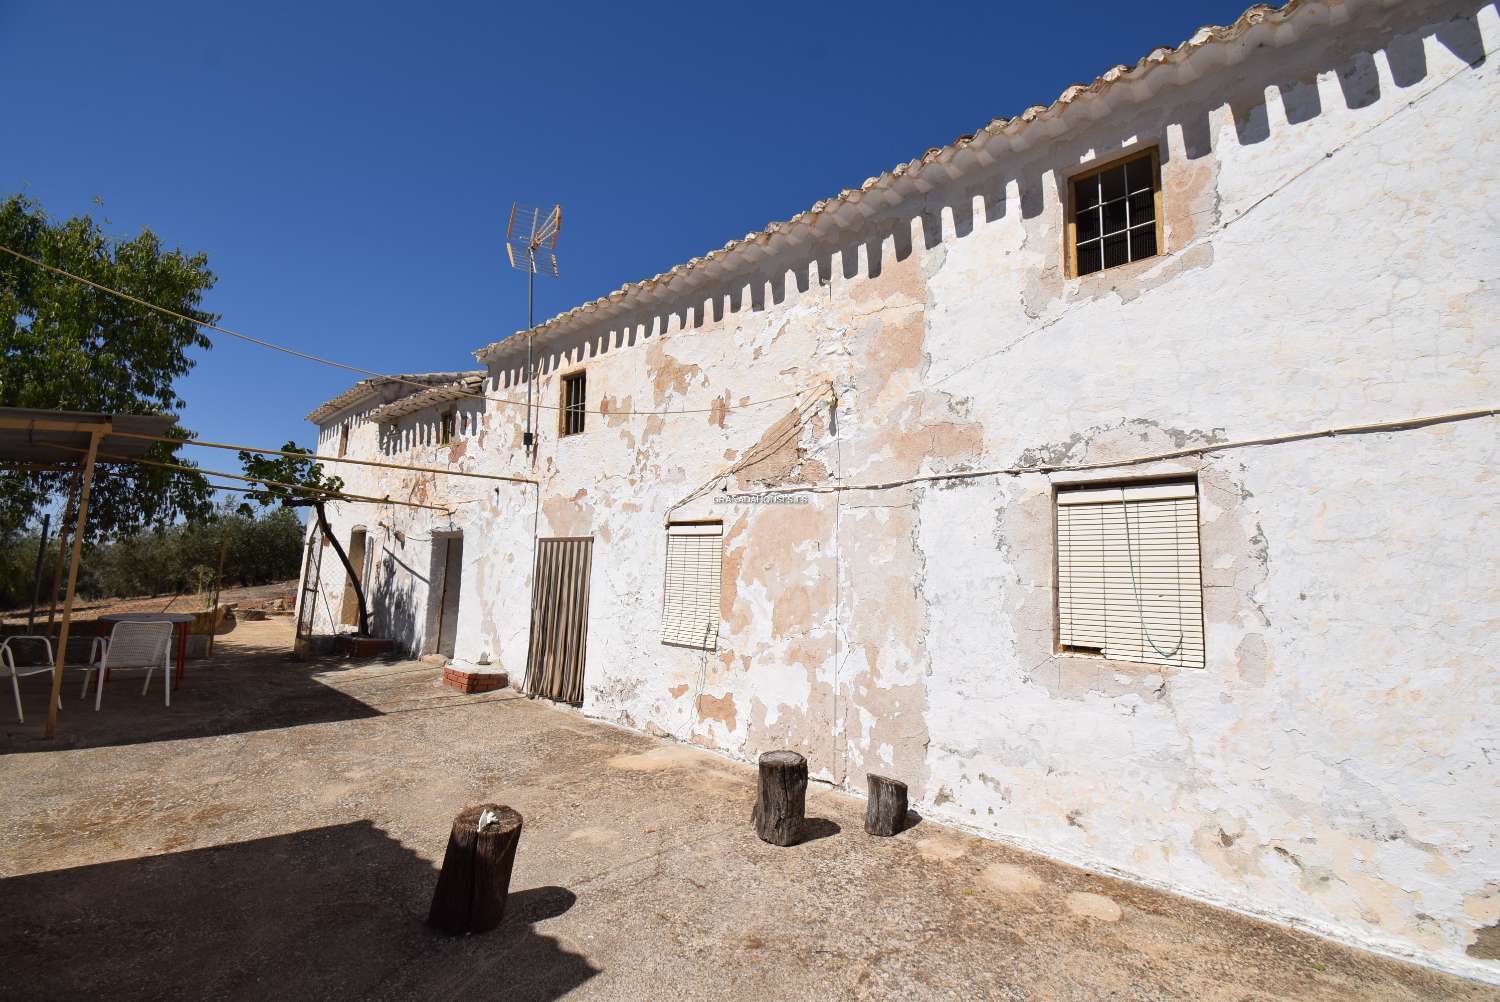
(475, 879)
(885, 811)
(782, 803)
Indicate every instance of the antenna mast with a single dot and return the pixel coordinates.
(531, 245)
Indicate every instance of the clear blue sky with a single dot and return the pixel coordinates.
(347, 167)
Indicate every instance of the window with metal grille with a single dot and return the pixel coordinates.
(1115, 214)
(447, 423)
(574, 402)
(690, 605)
(1128, 582)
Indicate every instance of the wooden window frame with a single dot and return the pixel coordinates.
(343, 439)
(563, 412)
(1163, 479)
(447, 426)
(1070, 230)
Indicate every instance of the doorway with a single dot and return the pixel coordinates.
(349, 612)
(443, 593)
(559, 619)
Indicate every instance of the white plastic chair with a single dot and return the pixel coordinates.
(135, 645)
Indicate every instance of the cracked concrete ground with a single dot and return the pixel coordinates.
(275, 833)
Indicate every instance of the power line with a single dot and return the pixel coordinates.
(1266, 196)
(322, 459)
(371, 373)
(1201, 450)
(302, 488)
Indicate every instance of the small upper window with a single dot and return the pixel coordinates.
(1114, 216)
(447, 424)
(574, 402)
(343, 438)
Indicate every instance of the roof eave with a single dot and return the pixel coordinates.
(941, 165)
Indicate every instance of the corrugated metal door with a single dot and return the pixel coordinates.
(559, 619)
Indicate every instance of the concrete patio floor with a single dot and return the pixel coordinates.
(276, 834)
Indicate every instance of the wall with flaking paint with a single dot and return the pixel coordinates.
(1331, 764)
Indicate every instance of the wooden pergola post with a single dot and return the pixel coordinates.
(95, 434)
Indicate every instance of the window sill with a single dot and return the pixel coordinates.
(1122, 667)
(1119, 271)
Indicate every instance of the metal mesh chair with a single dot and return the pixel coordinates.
(16, 667)
(136, 645)
(15, 663)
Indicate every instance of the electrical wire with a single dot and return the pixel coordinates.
(302, 488)
(321, 459)
(1202, 450)
(1135, 582)
(1205, 237)
(371, 373)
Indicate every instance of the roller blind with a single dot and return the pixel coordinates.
(1128, 582)
(690, 610)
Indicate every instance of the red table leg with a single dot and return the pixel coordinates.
(181, 653)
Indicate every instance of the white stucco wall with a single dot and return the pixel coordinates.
(1330, 765)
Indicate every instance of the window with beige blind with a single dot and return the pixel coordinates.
(690, 608)
(1128, 582)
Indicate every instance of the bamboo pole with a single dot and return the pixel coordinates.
(67, 620)
(62, 550)
(213, 607)
(36, 575)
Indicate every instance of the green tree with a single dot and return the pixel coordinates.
(67, 346)
(297, 482)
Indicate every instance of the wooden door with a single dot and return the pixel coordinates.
(350, 608)
(453, 575)
(559, 619)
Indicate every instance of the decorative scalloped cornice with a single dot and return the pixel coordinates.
(1015, 132)
(459, 389)
(367, 388)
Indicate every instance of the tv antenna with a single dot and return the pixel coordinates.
(531, 245)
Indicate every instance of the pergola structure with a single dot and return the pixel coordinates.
(52, 440)
(38, 439)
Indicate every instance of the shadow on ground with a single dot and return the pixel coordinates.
(329, 913)
(252, 683)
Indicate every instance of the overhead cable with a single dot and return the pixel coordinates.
(371, 373)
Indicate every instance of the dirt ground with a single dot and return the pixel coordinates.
(275, 833)
(250, 597)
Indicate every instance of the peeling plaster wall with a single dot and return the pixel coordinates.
(1331, 764)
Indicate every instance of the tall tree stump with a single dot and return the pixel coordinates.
(782, 803)
(885, 810)
(475, 879)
